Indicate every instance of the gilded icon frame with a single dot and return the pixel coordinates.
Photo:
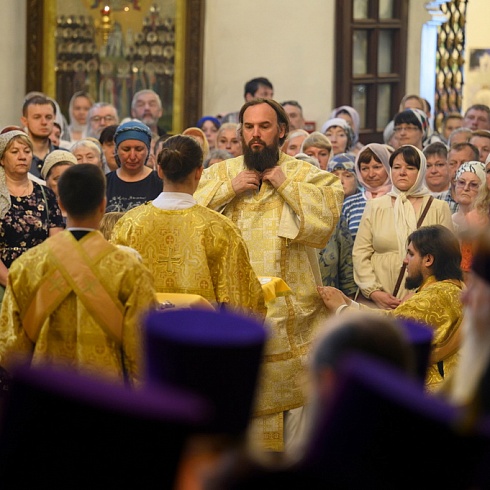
(42, 54)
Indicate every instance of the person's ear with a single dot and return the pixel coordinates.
(199, 172)
(429, 260)
(282, 130)
(159, 171)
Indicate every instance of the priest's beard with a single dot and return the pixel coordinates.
(263, 158)
(474, 358)
(414, 282)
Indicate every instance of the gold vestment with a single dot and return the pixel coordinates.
(438, 305)
(194, 251)
(70, 330)
(283, 229)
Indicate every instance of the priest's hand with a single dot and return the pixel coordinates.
(275, 176)
(247, 180)
(384, 300)
(332, 297)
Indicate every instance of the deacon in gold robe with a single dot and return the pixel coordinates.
(192, 250)
(286, 210)
(188, 248)
(75, 299)
(433, 270)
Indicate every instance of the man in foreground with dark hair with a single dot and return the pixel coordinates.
(286, 209)
(433, 270)
(76, 300)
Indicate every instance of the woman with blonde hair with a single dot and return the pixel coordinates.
(29, 213)
(317, 145)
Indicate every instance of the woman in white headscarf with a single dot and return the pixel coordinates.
(352, 117)
(381, 241)
(80, 104)
(467, 182)
(340, 134)
(372, 168)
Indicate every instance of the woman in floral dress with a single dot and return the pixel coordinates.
(29, 212)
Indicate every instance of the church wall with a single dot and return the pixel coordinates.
(12, 54)
(287, 41)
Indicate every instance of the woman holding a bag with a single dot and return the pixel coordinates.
(381, 242)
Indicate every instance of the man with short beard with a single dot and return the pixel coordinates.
(146, 106)
(286, 209)
(433, 270)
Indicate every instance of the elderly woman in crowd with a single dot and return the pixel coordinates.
(29, 212)
(470, 192)
(469, 178)
(228, 139)
(88, 150)
(54, 165)
(381, 241)
(294, 140)
(372, 168)
(318, 146)
(340, 134)
(352, 117)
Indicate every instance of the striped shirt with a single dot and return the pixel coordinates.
(352, 210)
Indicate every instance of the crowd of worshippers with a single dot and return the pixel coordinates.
(273, 303)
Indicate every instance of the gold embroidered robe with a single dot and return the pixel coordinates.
(71, 334)
(438, 305)
(194, 251)
(283, 229)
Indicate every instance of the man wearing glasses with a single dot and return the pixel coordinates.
(100, 115)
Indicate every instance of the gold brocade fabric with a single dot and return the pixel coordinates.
(438, 305)
(70, 335)
(193, 251)
(282, 228)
